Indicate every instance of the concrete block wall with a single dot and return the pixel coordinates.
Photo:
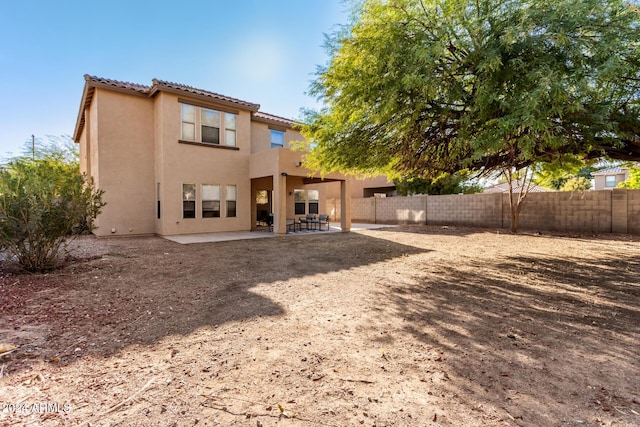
(480, 210)
(400, 210)
(565, 211)
(605, 211)
(633, 211)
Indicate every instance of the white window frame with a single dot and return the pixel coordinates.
(230, 126)
(313, 197)
(299, 199)
(607, 181)
(209, 202)
(183, 108)
(218, 118)
(231, 195)
(278, 132)
(227, 126)
(188, 197)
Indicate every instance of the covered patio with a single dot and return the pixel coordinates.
(281, 187)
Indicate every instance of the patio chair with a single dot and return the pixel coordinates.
(323, 219)
(270, 222)
(309, 222)
(293, 225)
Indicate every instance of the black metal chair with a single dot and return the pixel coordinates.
(309, 222)
(270, 222)
(323, 219)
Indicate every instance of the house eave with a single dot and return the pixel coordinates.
(192, 93)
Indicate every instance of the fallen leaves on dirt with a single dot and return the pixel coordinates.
(394, 327)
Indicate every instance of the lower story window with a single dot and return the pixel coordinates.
(299, 202)
(188, 200)
(231, 200)
(314, 197)
(210, 201)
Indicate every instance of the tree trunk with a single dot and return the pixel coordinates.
(515, 206)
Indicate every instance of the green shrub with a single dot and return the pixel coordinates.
(44, 203)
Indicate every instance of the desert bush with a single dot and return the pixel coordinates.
(43, 204)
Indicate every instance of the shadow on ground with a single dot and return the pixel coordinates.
(140, 290)
(499, 323)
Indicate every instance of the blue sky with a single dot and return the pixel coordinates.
(260, 51)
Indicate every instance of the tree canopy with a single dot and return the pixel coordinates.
(633, 182)
(456, 183)
(422, 87)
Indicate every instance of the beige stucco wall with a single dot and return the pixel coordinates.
(261, 136)
(92, 142)
(84, 152)
(119, 141)
(131, 146)
(200, 164)
(363, 187)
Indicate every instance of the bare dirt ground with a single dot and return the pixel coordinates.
(408, 326)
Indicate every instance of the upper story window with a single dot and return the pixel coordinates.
(277, 139)
(610, 181)
(230, 129)
(188, 122)
(208, 126)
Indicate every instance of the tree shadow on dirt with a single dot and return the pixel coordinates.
(139, 291)
(499, 323)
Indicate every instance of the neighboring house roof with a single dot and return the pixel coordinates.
(611, 171)
(92, 82)
(517, 187)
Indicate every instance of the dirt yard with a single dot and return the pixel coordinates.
(408, 326)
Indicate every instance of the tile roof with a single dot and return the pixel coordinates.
(117, 84)
(517, 187)
(163, 84)
(271, 118)
(91, 82)
(610, 171)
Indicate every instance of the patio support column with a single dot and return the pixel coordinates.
(280, 204)
(345, 205)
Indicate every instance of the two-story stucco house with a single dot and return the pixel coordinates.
(606, 179)
(173, 159)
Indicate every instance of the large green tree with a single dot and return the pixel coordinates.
(633, 182)
(422, 87)
(444, 184)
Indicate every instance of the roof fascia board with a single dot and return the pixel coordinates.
(86, 97)
(271, 122)
(210, 104)
(158, 87)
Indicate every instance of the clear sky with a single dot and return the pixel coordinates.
(262, 51)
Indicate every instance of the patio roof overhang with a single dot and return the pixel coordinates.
(285, 162)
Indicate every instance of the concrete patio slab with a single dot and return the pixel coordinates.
(185, 239)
